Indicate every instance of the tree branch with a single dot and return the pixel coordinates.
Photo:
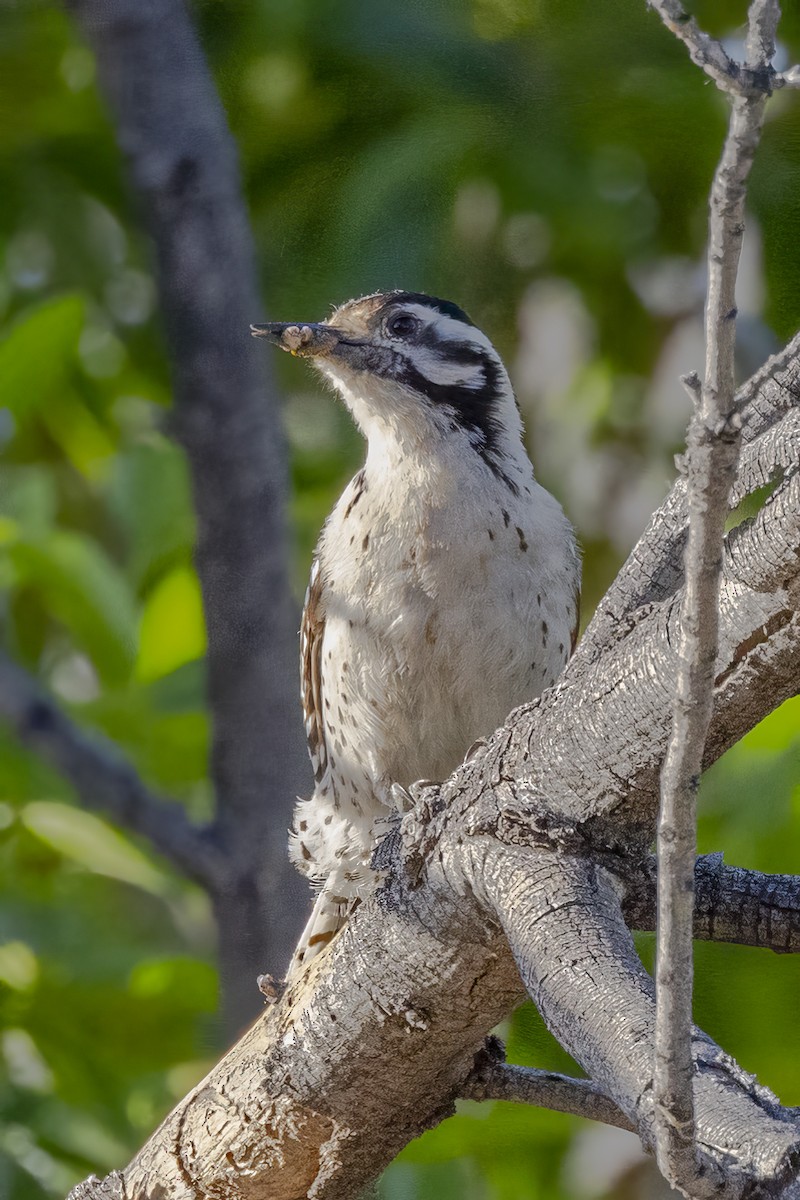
(493, 1079)
(420, 975)
(755, 78)
(654, 568)
(713, 453)
(182, 163)
(731, 904)
(581, 969)
(103, 780)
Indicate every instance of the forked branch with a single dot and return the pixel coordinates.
(712, 457)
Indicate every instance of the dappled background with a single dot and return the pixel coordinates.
(545, 163)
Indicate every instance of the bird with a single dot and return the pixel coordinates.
(444, 589)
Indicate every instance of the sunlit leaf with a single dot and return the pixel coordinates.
(38, 352)
(79, 434)
(25, 1065)
(90, 843)
(19, 967)
(172, 631)
(85, 592)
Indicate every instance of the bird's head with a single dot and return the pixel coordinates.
(412, 368)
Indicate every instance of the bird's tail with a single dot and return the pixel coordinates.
(332, 907)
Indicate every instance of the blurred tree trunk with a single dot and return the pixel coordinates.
(183, 168)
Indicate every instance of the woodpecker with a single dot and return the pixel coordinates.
(444, 589)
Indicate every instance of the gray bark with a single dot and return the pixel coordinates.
(183, 168)
(712, 458)
(731, 904)
(518, 868)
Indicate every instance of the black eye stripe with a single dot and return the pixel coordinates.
(466, 353)
(474, 409)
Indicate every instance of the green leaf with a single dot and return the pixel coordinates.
(195, 982)
(87, 593)
(91, 843)
(28, 497)
(150, 496)
(778, 731)
(172, 631)
(19, 967)
(39, 351)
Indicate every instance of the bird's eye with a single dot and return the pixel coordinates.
(402, 326)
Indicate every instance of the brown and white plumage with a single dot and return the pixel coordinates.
(444, 587)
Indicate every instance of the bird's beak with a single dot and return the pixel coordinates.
(305, 341)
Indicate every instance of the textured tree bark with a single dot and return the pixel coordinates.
(731, 904)
(526, 869)
(527, 855)
(182, 163)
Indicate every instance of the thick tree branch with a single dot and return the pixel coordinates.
(182, 162)
(419, 976)
(103, 780)
(712, 454)
(579, 965)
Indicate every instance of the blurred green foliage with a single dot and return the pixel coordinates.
(546, 164)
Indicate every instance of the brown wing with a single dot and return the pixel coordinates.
(577, 625)
(311, 631)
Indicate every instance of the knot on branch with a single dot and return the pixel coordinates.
(488, 1058)
(726, 429)
(529, 820)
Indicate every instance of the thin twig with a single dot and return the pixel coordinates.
(713, 451)
(753, 78)
(104, 780)
(692, 386)
(493, 1080)
(789, 78)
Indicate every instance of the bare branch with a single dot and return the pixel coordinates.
(182, 163)
(762, 24)
(103, 780)
(713, 452)
(654, 569)
(789, 78)
(582, 971)
(692, 386)
(304, 1104)
(731, 904)
(492, 1079)
(710, 55)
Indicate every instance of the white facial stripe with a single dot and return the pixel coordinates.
(449, 329)
(449, 374)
